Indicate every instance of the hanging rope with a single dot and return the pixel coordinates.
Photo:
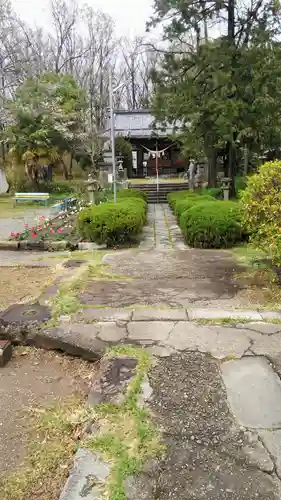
(157, 151)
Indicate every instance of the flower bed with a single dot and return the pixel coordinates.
(46, 231)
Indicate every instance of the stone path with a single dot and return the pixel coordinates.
(161, 232)
(216, 390)
(216, 393)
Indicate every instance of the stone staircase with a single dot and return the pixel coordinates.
(164, 189)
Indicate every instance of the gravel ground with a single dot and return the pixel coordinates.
(205, 458)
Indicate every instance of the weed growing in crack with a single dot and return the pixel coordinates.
(224, 321)
(127, 436)
(168, 229)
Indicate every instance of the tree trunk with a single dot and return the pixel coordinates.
(246, 160)
(70, 176)
(65, 171)
(231, 168)
(212, 168)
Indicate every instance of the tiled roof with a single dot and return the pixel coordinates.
(137, 124)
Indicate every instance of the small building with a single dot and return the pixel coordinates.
(152, 147)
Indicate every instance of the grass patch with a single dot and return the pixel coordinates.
(250, 256)
(7, 209)
(66, 301)
(259, 278)
(126, 437)
(52, 443)
(223, 321)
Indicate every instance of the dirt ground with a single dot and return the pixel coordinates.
(23, 284)
(34, 379)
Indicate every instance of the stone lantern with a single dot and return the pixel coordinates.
(92, 186)
(225, 183)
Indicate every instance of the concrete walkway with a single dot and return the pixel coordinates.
(216, 393)
(162, 231)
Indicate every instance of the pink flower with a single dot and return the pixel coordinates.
(59, 230)
(53, 231)
(12, 235)
(18, 234)
(39, 228)
(34, 235)
(42, 217)
(33, 228)
(25, 225)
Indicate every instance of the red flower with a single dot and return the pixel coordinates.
(12, 235)
(34, 235)
(39, 228)
(33, 228)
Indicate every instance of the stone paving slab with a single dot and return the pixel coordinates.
(260, 327)
(89, 472)
(253, 392)
(159, 315)
(272, 441)
(104, 314)
(78, 340)
(220, 342)
(258, 456)
(146, 332)
(267, 345)
(204, 458)
(194, 314)
(267, 315)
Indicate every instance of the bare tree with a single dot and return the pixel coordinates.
(83, 43)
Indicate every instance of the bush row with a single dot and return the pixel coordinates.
(212, 224)
(114, 223)
(261, 202)
(206, 222)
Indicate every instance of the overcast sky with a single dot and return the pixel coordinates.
(130, 15)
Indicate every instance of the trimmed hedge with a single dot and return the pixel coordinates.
(183, 205)
(174, 197)
(212, 224)
(216, 193)
(113, 223)
(131, 193)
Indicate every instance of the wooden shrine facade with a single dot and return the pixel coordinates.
(147, 143)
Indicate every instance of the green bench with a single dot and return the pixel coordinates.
(31, 197)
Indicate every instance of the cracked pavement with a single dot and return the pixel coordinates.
(215, 388)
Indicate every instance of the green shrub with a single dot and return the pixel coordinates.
(212, 224)
(261, 202)
(131, 193)
(183, 205)
(213, 192)
(176, 196)
(113, 223)
(240, 184)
